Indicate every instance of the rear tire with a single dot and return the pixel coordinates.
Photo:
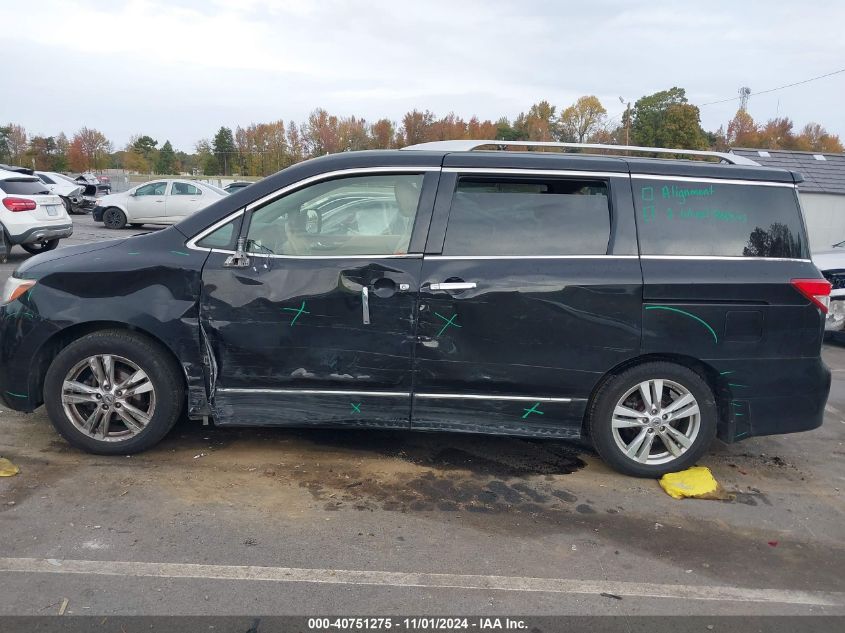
(113, 393)
(40, 247)
(637, 435)
(114, 218)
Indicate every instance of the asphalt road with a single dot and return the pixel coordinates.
(247, 521)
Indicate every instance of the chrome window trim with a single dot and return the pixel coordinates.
(192, 243)
(477, 396)
(393, 256)
(738, 258)
(535, 172)
(323, 392)
(461, 257)
(448, 396)
(708, 179)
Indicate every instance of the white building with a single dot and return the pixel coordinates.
(822, 193)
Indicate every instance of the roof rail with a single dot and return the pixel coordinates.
(462, 145)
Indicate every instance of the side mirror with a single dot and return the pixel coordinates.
(239, 259)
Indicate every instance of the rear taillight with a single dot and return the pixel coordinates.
(816, 290)
(19, 204)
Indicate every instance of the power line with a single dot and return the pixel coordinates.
(762, 92)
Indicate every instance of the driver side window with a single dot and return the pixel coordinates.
(358, 215)
(152, 189)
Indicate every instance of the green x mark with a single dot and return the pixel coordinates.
(533, 409)
(300, 310)
(449, 321)
(356, 408)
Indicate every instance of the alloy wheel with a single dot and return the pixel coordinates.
(108, 398)
(656, 421)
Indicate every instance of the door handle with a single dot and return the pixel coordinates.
(454, 285)
(365, 304)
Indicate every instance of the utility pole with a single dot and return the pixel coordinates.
(627, 117)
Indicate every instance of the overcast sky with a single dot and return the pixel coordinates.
(178, 70)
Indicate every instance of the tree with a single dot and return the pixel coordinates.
(93, 145)
(224, 149)
(206, 160)
(742, 131)
(166, 163)
(416, 127)
(321, 134)
(665, 119)
(777, 134)
(382, 134)
(353, 134)
(582, 119)
(505, 131)
(814, 138)
(15, 142)
(539, 124)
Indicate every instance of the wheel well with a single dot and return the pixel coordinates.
(707, 372)
(56, 343)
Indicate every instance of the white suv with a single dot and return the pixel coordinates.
(30, 215)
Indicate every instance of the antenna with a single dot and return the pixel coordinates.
(744, 93)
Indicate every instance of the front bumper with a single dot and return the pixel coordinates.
(42, 234)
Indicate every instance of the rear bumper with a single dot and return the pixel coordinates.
(40, 234)
(770, 397)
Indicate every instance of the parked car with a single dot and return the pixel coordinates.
(646, 305)
(17, 169)
(832, 265)
(30, 216)
(103, 184)
(232, 187)
(158, 202)
(70, 191)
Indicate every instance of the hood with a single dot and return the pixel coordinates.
(28, 268)
(830, 260)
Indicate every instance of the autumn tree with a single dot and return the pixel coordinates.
(416, 127)
(382, 134)
(538, 124)
(93, 146)
(206, 160)
(665, 119)
(353, 134)
(582, 119)
(742, 131)
(814, 138)
(777, 134)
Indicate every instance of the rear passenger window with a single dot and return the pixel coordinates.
(710, 218)
(517, 216)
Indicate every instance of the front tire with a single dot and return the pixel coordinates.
(113, 393)
(40, 247)
(653, 419)
(114, 218)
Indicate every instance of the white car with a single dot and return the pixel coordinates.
(159, 202)
(832, 265)
(64, 186)
(30, 215)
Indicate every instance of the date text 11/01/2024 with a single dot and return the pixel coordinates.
(416, 623)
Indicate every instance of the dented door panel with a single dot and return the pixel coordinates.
(288, 339)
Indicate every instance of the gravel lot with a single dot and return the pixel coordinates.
(469, 524)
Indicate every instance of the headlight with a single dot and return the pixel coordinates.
(14, 288)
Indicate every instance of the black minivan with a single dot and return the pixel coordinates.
(646, 304)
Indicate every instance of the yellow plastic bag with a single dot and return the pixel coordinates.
(7, 468)
(696, 482)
